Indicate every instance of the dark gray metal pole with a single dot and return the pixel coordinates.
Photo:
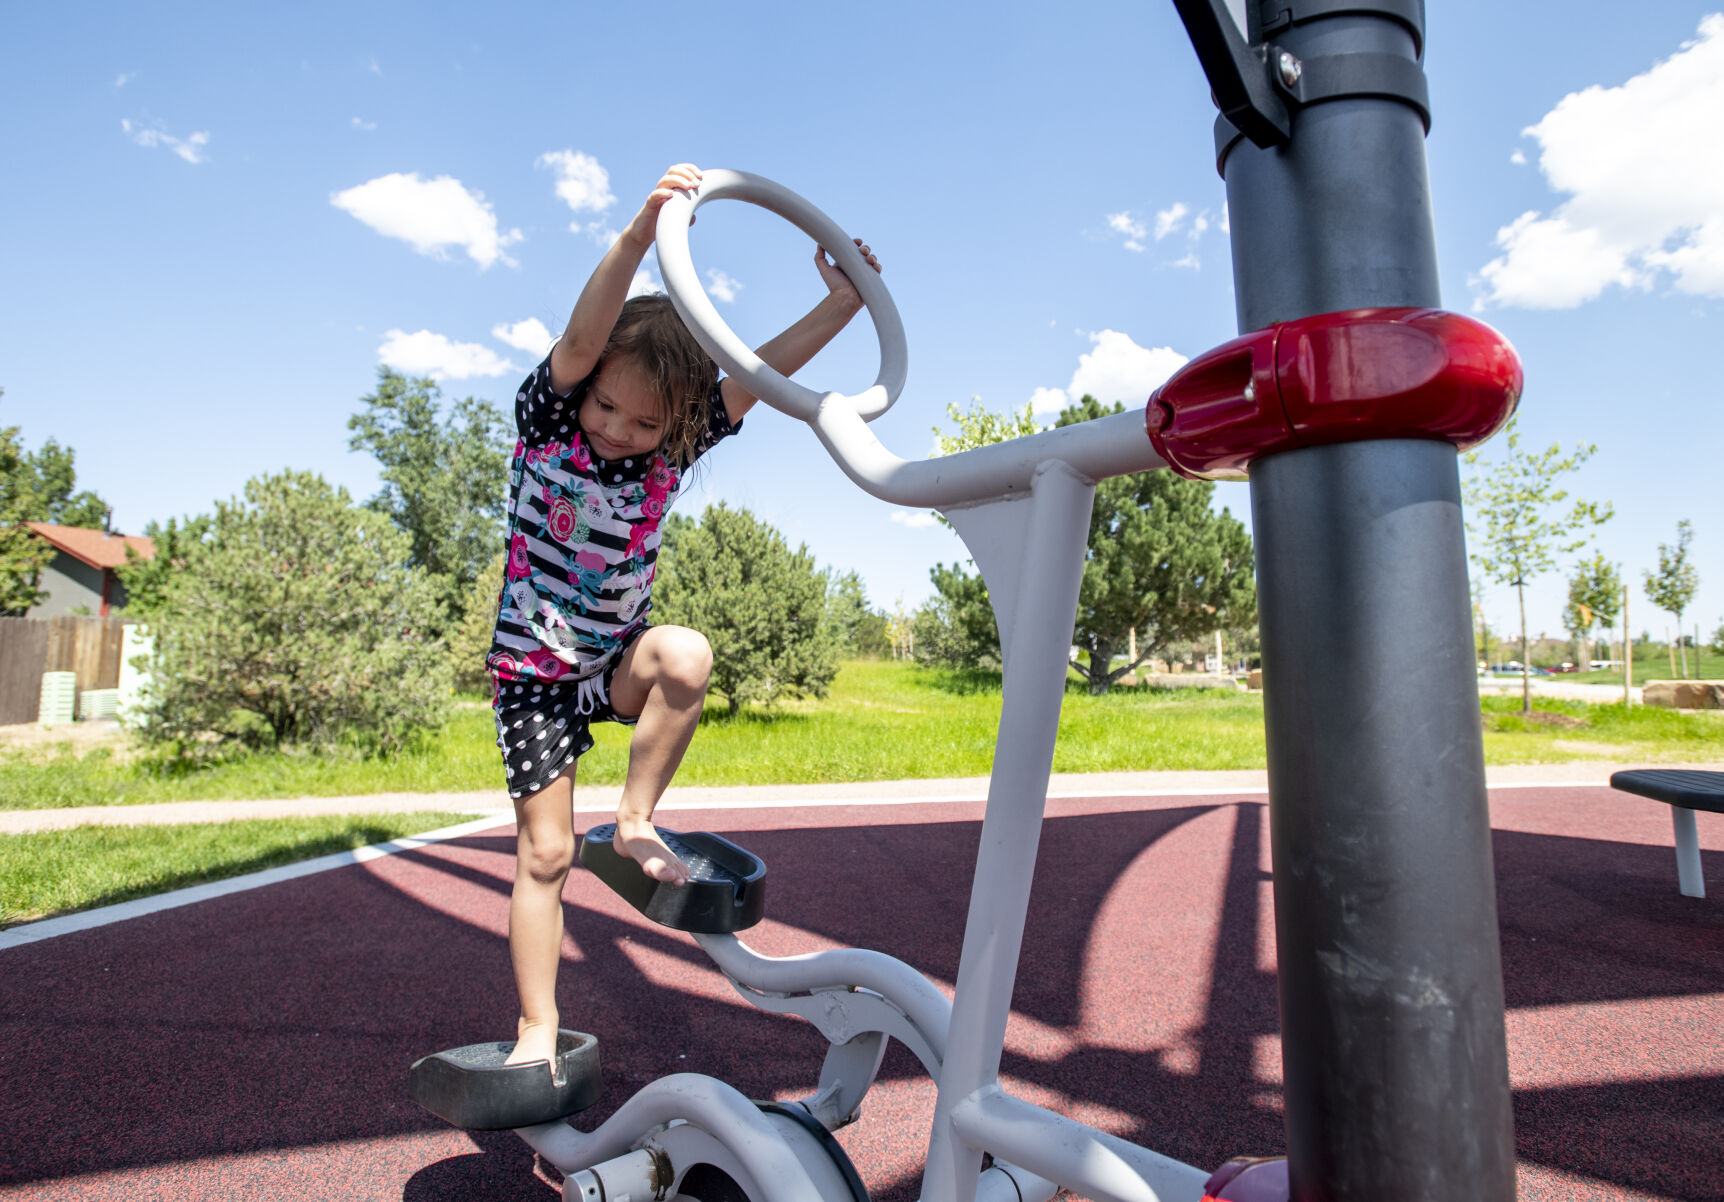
(1385, 909)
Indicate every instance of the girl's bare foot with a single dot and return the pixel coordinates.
(640, 842)
(534, 1041)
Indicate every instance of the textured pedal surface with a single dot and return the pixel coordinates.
(472, 1088)
(726, 890)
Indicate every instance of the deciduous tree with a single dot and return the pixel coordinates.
(1520, 522)
(444, 478)
(37, 486)
(762, 606)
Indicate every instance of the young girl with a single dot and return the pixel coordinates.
(608, 424)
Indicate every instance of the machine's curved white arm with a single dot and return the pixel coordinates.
(1110, 446)
(681, 280)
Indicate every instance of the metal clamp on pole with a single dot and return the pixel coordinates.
(1260, 85)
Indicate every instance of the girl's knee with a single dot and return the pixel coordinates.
(546, 856)
(685, 658)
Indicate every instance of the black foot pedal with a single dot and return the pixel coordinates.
(726, 890)
(470, 1087)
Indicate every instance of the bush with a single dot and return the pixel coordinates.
(296, 623)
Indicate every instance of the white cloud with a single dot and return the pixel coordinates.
(1133, 229)
(190, 148)
(915, 521)
(1120, 370)
(582, 183)
(360, 123)
(427, 354)
(1551, 264)
(1641, 201)
(124, 78)
(643, 284)
(372, 65)
(529, 334)
(430, 215)
(1169, 220)
(1518, 158)
(722, 287)
(1046, 401)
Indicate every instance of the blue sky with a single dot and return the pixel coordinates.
(219, 219)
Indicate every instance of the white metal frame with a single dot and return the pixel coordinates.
(1023, 509)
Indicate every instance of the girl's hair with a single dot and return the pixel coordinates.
(650, 335)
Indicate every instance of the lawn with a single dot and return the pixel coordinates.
(1705, 666)
(881, 721)
(55, 872)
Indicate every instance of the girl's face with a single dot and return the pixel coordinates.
(621, 416)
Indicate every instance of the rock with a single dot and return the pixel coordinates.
(1255, 680)
(1685, 694)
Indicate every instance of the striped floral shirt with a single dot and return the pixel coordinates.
(583, 538)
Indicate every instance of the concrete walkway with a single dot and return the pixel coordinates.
(602, 798)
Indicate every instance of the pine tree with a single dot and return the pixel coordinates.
(761, 605)
(1160, 561)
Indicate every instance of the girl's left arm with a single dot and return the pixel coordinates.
(791, 350)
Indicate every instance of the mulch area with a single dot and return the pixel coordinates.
(258, 1044)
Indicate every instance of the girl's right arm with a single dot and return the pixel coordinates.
(577, 351)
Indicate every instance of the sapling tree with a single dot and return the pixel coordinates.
(1594, 600)
(1673, 586)
(1521, 521)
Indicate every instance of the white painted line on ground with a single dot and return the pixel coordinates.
(86, 920)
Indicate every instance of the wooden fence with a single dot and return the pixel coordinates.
(29, 647)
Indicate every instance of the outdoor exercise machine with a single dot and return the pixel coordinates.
(1344, 402)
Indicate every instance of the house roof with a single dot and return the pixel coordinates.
(93, 547)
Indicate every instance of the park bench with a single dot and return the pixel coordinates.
(1684, 791)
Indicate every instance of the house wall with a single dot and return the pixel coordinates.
(70, 583)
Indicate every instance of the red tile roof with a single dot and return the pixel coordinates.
(92, 546)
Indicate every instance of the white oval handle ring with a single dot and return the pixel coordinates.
(719, 341)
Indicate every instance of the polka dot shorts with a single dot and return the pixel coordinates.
(542, 725)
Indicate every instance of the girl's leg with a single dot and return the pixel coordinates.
(662, 677)
(544, 849)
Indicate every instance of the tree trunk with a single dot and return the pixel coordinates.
(1525, 654)
(1100, 662)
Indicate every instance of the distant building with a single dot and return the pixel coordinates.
(80, 577)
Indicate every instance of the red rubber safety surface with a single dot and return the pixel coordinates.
(256, 1045)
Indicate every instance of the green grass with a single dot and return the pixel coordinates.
(1706, 667)
(44, 873)
(882, 721)
(1563, 731)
